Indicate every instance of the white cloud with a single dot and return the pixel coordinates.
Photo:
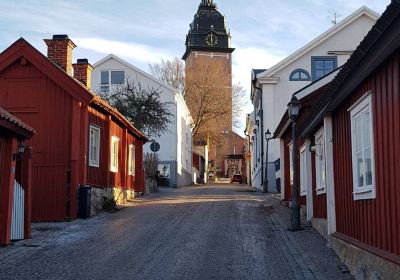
(138, 52)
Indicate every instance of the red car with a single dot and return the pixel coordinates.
(237, 178)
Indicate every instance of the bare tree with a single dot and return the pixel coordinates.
(239, 103)
(142, 106)
(208, 96)
(171, 72)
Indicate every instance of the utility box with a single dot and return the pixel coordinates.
(85, 196)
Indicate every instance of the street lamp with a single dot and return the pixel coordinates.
(293, 110)
(268, 136)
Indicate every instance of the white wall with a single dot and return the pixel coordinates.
(277, 96)
(277, 90)
(176, 143)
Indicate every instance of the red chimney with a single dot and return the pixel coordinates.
(59, 50)
(83, 72)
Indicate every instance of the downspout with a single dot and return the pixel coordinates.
(248, 145)
(262, 132)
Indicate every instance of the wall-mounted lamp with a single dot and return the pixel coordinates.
(21, 148)
(313, 149)
(20, 151)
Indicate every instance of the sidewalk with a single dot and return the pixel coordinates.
(306, 252)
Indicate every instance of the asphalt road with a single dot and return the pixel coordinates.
(214, 232)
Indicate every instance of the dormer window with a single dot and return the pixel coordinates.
(299, 75)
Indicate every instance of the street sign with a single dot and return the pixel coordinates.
(155, 147)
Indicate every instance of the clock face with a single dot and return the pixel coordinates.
(212, 40)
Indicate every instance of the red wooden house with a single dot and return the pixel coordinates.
(15, 172)
(80, 139)
(355, 125)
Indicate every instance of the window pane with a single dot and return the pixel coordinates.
(367, 129)
(319, 74)
(319, 64)
(303, 76)
(328, 66)
(368, 167)
(360, 169)
(104, 77)
(117, 77)
(358, 133)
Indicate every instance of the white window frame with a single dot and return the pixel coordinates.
(114, 157)
(303, 171)
(320, 160)
(362, 105)
(94, 162)
(131, 160)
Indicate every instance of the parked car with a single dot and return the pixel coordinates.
(237, 178)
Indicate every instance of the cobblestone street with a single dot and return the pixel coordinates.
(211, 232)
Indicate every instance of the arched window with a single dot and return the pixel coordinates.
(300, 75)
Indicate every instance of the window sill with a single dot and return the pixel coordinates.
(363, 194)
(96, 165)
(114, 171)
(320, 191)
(303, 194)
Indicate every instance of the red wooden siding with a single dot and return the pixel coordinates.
(319, 201)
(374, 222)
(42, 104)
(97, 176)
(288, 186)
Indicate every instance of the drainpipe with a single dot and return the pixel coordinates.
(262, 134)
(248, 145)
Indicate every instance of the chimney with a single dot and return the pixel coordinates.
(59, 50)
(83, 71)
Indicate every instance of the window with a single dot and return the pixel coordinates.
(362, 149)
(303, 171)
(111, 77)
(322, 66)
(299, 75)
(320, 166)
(94, 146)
(131, 160)
(117, 77)
(114, 153)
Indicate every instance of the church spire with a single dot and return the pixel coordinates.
(207, 3)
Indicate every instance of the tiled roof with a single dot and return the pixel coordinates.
(114, 112)
(5, 115)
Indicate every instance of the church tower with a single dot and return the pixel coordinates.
(208, 42)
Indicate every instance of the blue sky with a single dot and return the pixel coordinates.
(263, 31)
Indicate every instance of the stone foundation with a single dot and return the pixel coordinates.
(321, 226)
(121, 196)
(363, 264)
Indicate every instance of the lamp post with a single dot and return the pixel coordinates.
(293, 110)
(268, 136)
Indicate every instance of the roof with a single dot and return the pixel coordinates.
(258, 71)
(15, 125)
(320, 39)
(382, 40)
(21, 48)
(114, 112)
(208, 31)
